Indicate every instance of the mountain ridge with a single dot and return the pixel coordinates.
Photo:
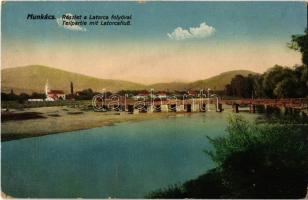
(32, 78)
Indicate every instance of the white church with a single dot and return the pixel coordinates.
(53, 95)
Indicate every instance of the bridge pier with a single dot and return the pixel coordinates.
(144, 109)
(157, 108)
(118, 108)
(130, 109)
(172, 108)
(235, 107)
(202, 107)
(272, 110)
(188, 107)
(164, 108)
(260, 108)
(252, 108)
(219, 107)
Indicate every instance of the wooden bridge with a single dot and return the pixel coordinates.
(299, 103)
(290, 104)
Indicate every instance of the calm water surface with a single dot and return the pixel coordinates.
(126, 160)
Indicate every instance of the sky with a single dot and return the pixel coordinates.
(166, 41)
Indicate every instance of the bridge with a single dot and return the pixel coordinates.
(291, 105)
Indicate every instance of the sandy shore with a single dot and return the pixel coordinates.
(63, 119)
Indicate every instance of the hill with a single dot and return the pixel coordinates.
(33, 79)
(169, 86)
(218, 82)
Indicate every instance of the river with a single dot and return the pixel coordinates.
(127, 160)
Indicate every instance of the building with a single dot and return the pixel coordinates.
(56, 95)
(193, 93)
(53, 95)
(142, 95)
(161, 95)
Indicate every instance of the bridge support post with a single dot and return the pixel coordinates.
(202, 107)
(219, 107)
(172, 108)
(157, 108)
(122, 108)
(143, 109)
(188, 107)
(164, 108)
(130, 109)
(269, 109)
(235, 108)
(252, 108)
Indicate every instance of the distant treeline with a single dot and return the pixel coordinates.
(21, 97)
(277, 82)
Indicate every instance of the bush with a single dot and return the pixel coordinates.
(263, 161)
(253, 161)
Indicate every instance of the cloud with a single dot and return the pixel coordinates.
(202, 31)
(73, 26)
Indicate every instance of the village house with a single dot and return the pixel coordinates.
(193, 93)
(161, 95)
(53, 95)
(56, 95)
(142, 95)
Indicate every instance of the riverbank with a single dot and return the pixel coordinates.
(41, 121)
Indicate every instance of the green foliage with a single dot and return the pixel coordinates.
(21, 97)
(267, 160)
(36, 95)
(206, 186)
(280, 82)
(171, 192)
(87, 94)
(263, 161)
(300, 43)
(276, 82)
(242, 86)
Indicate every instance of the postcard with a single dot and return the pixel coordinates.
(154, 99)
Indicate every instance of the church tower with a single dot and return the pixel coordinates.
(46, 88)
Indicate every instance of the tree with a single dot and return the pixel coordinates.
(86, 94)
(253, 161)
(300, 43)
(23, 97)
(282, 82)
(241, 86)
(36, 95)
(263, 161)
(285, 88)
